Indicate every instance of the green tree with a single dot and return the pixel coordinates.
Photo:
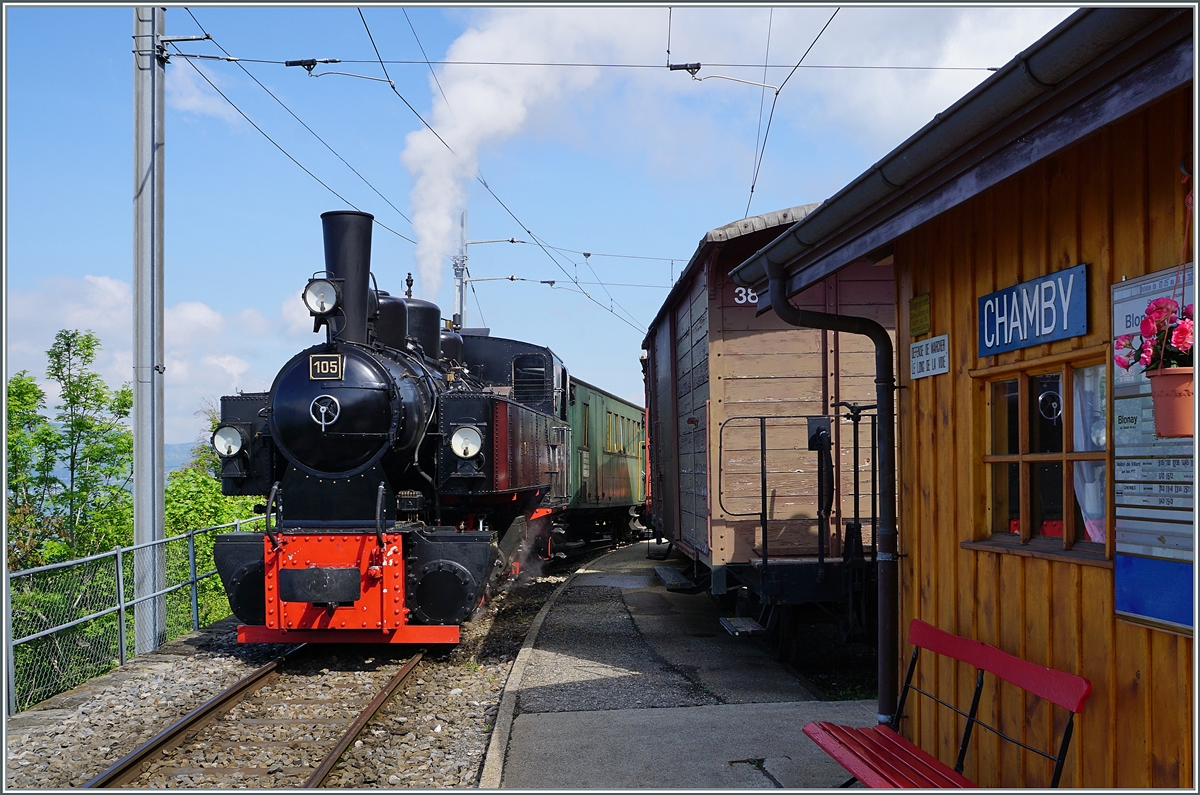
(95, 505)
(31, 455)
(68, 479)
(194, 501)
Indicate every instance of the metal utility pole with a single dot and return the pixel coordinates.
(460, 272)
(149, 570)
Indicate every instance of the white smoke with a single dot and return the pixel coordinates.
(490, 105)
(675, 123)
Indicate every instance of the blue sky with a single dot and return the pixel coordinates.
(633, 161)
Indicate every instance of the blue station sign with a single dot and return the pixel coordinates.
(1042, 310)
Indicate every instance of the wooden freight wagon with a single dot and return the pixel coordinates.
(721, 379)
(1039, 509)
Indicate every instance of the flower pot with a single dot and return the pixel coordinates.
(1172, 391)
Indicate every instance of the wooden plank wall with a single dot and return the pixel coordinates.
(691, 390)
(761, 366)
(1114, 201)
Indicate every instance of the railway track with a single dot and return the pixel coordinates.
(284, 725)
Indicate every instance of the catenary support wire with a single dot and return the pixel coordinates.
(771, 115)
(297, 118)
(288, 154)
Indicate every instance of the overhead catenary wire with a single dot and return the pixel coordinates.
(587, 65)
(478, 305)
(426, 57)
(392, 83)
(479, 178)
(288, 154)
(546, 251)
(762, 99)
(771, 115)
(301, 121)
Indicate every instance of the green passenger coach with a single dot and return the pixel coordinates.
(608, 471)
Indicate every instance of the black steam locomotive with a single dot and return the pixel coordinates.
(397, 482)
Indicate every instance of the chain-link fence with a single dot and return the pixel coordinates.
(65, 623)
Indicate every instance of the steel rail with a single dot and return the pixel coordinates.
(321, 773)
(129, 767)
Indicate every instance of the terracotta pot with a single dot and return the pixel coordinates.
(1172, 390)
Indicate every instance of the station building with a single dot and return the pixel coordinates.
(1038, 511)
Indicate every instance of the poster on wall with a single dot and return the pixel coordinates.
(1153, 478)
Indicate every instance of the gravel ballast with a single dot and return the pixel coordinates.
(432, 733)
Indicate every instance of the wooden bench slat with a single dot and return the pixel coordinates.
(939, 774)
(884, 758)
(898, 771)
(847, 758)
(1066, 690)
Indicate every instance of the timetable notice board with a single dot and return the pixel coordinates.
(1153, 480)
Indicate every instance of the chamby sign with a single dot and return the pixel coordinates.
(1045, 309)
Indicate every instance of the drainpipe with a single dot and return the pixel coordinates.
(887, 570)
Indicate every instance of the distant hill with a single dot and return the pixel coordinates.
(175, 456)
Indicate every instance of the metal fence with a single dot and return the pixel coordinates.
(71, 621)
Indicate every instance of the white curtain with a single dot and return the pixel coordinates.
(1090, 425)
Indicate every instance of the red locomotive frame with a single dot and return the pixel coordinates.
(380, 613)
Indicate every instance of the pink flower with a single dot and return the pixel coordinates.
(1187, 311)
(1122, 361)
(1161, 308)
(1147, 352)
(1149, 326)
(1183, 336)
(1123, 342)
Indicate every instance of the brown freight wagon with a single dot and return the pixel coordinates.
(721, 380)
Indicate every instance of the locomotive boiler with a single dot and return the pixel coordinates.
(390, 475)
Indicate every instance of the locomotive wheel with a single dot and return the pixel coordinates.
(445, 593)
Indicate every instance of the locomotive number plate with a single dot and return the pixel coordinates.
(325, 367)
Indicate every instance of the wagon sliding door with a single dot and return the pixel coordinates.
(664, 448)
(691, 377)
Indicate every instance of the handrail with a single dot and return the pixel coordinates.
(858, 411)
(117, 554)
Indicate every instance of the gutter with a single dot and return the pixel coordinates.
(887, 568)
(1075, 42)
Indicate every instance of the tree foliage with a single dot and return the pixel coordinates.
(193, 495)
(95, 446)
(69, 476)
(32, 451)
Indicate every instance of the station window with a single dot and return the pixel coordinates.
(1047, 461)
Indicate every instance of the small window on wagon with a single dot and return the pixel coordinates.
(1047, 461)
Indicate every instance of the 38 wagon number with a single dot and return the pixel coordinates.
(744, 295)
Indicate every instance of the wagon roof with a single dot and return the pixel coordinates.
(1098, 65)
(607, 394)
(724, 234)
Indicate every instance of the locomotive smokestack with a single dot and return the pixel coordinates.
(348, 257)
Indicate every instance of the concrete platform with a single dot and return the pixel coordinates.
(624, 684)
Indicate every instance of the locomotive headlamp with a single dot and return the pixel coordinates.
(321, 296)
(227, 441)
(466, 442)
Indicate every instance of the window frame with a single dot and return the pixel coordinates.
(1074, 544)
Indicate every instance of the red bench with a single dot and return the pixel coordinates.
(879, 757)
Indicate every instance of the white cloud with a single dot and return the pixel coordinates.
(208, 353)
(295, 315)
(188, 92)
(672, 123)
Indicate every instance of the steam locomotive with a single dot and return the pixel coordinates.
(397, 479)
